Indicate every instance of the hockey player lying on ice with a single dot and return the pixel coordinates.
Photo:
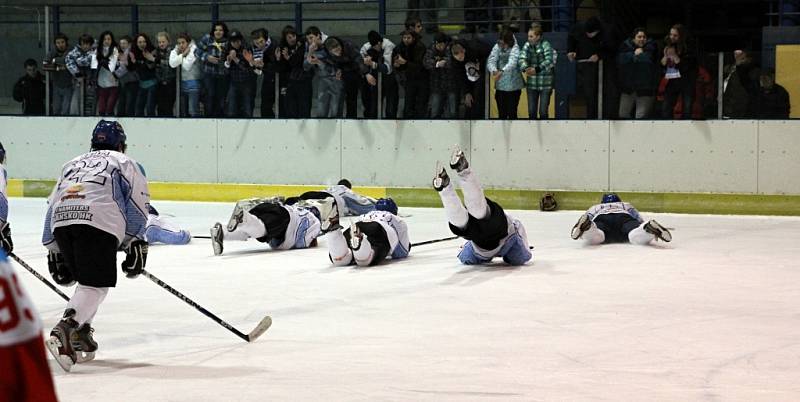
(490, 231)
(614, 221)
(159, 230)
(372, 237)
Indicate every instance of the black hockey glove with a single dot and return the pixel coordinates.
(136, 259)
(5, 238)
(59, 270)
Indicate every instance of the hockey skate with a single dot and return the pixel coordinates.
(583, 224)
(441, 179)
(458, 161)
(658, 231)
(246, 205)
(59, 344)
(355, 237)
(216, 238)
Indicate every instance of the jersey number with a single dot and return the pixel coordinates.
(88, 172)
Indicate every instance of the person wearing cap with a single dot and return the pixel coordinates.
(239, 63)
(588, 43)
(377, 59)
(439, 63)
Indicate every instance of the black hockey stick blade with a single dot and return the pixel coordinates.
(201, 237)
(38, 276)
(260, 328)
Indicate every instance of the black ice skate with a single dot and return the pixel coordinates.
(441, 179)
(216, 238)
(355, 237)
(236, 218)
(658, 231)
(583, 224)
(458, 161)
(59, 344)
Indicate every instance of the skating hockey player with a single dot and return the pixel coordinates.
(98, 206)
(349, 202)
(489, 230)
(5, 229)
(283, 227)
(371, 238)
(614, 221)
(159, 230)
(23, 364)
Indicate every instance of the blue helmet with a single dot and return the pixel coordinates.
(108, 135)
(386, 204)
(610, 197)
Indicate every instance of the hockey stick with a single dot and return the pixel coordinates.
(255, 333)
(38, 275)
(422, 243)
(201, 237)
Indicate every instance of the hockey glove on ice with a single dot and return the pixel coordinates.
(5, 238)
(59, 270)
(136, 259)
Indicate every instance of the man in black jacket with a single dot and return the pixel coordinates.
(408, 59)
(30, 90)
(469, 63)
(589, 43)
(773, 99)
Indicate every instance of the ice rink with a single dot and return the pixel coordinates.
(712, 316)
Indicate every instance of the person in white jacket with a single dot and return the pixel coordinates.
(503, 66)
(105, 60)
(191, 74)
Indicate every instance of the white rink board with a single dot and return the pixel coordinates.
(779, 157)
(644, 156)
(189, 148)
(398, 153)
(681, 156)
(563, 155)
(279, 151)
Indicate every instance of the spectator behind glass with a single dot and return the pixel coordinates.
(128, 79)
(183, 55)
(469, 59)
(414, 24)
(264, 65)
(503, 65)
(348, 63)
(240, 73)
(104, 61)
(145, 62)
(638, 75)
(295, 82)
(536, 61)
(408, 60)
(377, 58)
(740, 87)
(589, 43)
(78, 63)
(680, 71)
(773, 100)
(211, 53)
(165, 91)
(30, 90)
(439, 63)
(330, 87)
(56, 65)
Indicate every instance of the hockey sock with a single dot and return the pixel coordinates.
(251, 226)
(640, 236)
(364, 254)
(85, 301)
(474, 199)
(594, 235)
(338, 250)
(456, 213)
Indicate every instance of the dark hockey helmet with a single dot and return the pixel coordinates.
(386, 204)
(2, 153)
(346, 183)
(610, 197)
(108, 134)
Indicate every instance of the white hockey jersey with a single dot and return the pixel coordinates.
(302, 229)
(396, 231)
(19, 320)
(103, 189)
(348, 202)
(614, 208)
(3, 197)
(515, 227)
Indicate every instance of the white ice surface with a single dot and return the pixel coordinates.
(714, 315)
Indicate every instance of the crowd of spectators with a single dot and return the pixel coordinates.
(222, 73)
